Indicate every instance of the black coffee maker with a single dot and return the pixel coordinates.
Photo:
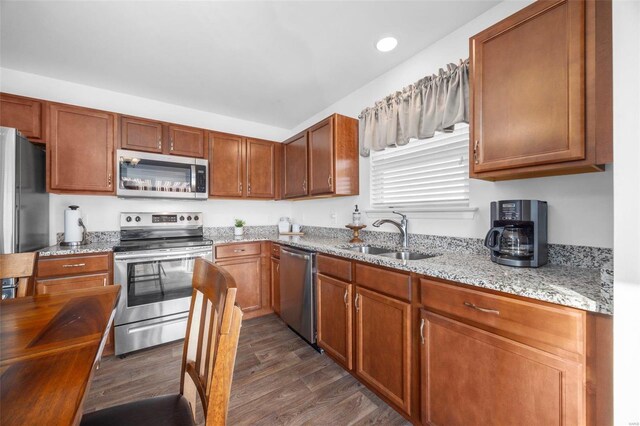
(518, 234)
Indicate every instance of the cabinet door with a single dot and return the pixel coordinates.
(321, 158)
(260, 169)
(141, 135)
(247, 272)
(275, 285)
(58, 285)
(383, 345)
(470, 376)
(81, 149)
(23, 114)
(528, 88)
(226, 165)
(186, 141)
(334, 319)
(295, 167)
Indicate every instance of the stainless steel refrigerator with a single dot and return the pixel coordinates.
(24, 201)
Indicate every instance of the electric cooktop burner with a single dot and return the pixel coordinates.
(160, 244)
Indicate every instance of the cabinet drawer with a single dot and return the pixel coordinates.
(333, 267)
(392, 283)
(76, 265)
(275, 250)
(235, 250)
(541, 326)
(58, 285)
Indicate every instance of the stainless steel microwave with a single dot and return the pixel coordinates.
(142, 174)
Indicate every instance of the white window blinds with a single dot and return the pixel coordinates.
(430, 172)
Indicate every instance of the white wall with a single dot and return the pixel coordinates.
(101, 212)
(580, 206)
(626, 107)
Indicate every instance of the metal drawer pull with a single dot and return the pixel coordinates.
(238, 250)
(422, 331)
(345, 296)
(74, 265)
(330, 181)
(478, 308)
(356, 302)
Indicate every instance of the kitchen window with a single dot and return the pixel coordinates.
(424, 174)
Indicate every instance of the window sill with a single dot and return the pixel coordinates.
(467, 213)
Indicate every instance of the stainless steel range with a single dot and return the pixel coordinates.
(154, 265)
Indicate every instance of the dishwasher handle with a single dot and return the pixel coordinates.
(294, 254)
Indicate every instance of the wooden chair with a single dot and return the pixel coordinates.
(20, 266)
(208, 360)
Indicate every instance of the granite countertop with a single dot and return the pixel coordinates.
(589, 289)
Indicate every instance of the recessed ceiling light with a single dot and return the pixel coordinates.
(386, 44)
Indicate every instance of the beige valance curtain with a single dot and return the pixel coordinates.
(434, 103)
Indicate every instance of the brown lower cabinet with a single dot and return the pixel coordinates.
(383, 345)
(470, 376)
(249, 265)
(443, 353)
(335, 319)
(56, 274)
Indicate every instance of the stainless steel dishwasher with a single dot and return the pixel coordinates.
(297, 291)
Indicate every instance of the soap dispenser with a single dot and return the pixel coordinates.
(356, 216)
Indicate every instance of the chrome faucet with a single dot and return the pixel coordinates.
(402, 226)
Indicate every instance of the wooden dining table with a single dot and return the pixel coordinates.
(50, 345)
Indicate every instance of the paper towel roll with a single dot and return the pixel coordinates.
(72, 229)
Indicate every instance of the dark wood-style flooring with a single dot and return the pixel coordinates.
(278, 380)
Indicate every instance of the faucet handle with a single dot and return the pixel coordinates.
(404, 216)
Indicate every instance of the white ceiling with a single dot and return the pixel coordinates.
(271, 62)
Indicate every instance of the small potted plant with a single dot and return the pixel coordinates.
(238, 230)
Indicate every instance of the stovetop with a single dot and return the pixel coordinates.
(161, 243)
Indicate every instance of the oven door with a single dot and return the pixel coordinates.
(141, 174)
(155, 283)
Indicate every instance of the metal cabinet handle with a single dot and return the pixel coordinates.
(330, 181)
(478, 308)
(304, 185)
(74, 265)
(109, 179)
(104, 282)
(240, 187)
(171, 146)
(249, 188)
(475, 151)
(160, 143)
(422, 331)
(238, 250)
(345, 296)
(356, 302)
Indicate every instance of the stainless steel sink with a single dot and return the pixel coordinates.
(368, 249)
(407, 255)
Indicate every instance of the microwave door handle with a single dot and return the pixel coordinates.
(193, 178)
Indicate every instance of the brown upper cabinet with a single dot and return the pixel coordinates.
(323, 160)
(241, 167)
(80, 149)
(140, 134)
(541, 85)
(24, 114)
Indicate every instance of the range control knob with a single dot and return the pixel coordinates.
(188, 217)
(196, 218)
(138, 219)
(128, 219)
(181, 218)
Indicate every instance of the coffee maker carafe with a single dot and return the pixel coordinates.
(518, 234)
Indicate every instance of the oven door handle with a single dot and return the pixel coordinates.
(160, 255)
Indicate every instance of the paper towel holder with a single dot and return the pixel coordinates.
(84, 234)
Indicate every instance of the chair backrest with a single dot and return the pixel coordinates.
(211, 342)
(20, 266)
